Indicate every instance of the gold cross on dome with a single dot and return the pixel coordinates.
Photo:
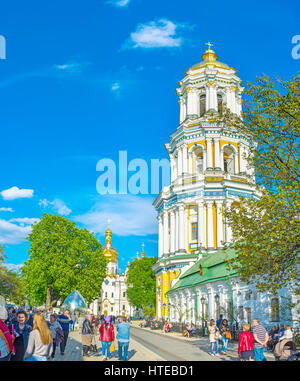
(209, 45)
(143, 245)
(108, 221)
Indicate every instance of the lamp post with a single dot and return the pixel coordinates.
(202, 302)
(217, 299)
(164, 305)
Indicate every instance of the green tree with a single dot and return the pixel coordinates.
(62, 258)
(11, 284)
(266, 232)
(141, 283)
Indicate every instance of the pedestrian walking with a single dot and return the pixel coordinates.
(6, 340)
(107, 336)
(65, 321)
(261, 338)
(72, 325)
(246, 344)
(40, 343)
(87, 334)
(226, 335)
(219, 321)
(214, 336)
(123, 334)
(56, 331)
(20, 331)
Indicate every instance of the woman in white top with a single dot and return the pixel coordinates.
(40, 343)
(213, 339)
(288, 334)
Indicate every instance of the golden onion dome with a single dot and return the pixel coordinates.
(109, 252)
(210, 58)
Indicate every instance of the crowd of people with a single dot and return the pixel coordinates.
(251, 345)
(35, 336)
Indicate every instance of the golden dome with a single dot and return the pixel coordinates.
(210, 58)
(109, 252)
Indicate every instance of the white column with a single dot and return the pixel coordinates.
(222, 159)
(177, 229)
(179, 162)
(201, 239)
(209, 153)
(190, 163)
(166, 232)
(219, 224)
(172, 168)
(204, 160)
(184, 158)
(181, 110)
(236, 163)
(181, 227)
(217, 153)
(194, 102)
(172, 231)
(186, 238)
(210, 227)
(189, 103)
(233, 101)
(228, 98)
(160, 236)
(228, 231)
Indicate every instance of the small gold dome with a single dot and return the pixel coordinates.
(109, 252)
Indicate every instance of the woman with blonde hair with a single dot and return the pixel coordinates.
(40, 343)
(246, 344)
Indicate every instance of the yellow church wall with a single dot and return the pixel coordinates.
(215, 224)
(165, 285)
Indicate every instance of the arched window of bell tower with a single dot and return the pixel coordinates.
(198, 160)
(228, 157)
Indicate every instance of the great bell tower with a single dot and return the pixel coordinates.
(209, 171)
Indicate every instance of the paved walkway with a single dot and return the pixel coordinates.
(73, 352)
(202, 343)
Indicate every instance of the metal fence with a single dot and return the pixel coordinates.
(202, 330)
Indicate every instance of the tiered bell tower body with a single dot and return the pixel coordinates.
(209, 171)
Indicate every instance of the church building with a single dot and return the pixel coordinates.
(209, 172)
(113, 299)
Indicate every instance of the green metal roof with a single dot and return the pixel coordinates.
(184, 256)
(213, 268)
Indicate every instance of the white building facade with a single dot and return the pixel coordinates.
(209, 172)
(113, 298)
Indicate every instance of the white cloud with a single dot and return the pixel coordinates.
(71, 67)
(119, 3)
(6, 210)
(155, 34)
(14, 193)
(14, 233)
(13, 267)
(25, 221)
(129, 215)
(115, 86)
(58, 205)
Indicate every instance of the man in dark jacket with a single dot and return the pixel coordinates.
(65, 321)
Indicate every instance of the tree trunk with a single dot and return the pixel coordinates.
(48, 298)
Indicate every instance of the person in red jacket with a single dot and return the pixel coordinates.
(246, 344)
(6, 340)
(107, 335)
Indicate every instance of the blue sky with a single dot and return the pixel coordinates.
(83, 80)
